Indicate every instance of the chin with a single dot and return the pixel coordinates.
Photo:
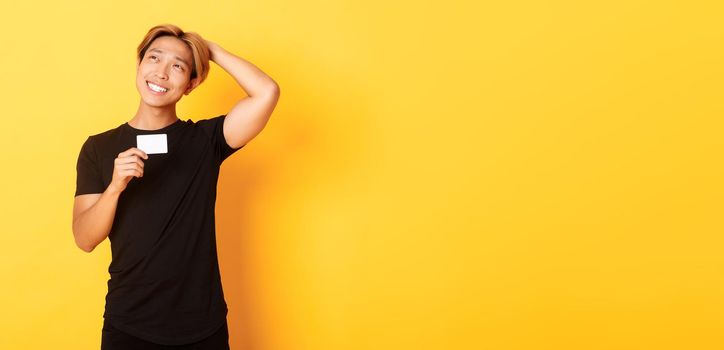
(151, 101)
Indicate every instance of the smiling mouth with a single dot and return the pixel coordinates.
(156, 88)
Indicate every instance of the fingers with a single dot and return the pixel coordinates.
(130, 172)
(130, 162)
(131, 169)
(132, 151)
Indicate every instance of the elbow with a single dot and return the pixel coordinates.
(87, 249)
(82, 245)
(273, 89)
(268, 91)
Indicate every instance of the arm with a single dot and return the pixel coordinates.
(93, 213)
(93, 217)
(249, 116)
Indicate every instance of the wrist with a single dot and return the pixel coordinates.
(213, 49)
(113, 190)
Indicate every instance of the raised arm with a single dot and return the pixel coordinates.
(249, 116)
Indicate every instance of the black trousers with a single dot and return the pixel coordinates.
(115, 339)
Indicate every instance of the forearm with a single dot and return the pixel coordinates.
(248, 76)
(93, 225)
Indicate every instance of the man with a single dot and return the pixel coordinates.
(149, 185)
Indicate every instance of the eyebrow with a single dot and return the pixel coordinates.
(178, 58)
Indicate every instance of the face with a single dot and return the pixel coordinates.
(166, 63)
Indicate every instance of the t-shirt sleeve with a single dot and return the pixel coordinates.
(214, 127)
(88, 178)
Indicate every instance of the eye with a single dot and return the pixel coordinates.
(179, 66)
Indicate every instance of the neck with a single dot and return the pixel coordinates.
(150, 117)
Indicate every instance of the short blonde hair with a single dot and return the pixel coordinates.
(198, 46)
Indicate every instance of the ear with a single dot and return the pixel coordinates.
(191, 86)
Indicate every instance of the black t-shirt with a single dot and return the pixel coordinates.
(165, 285)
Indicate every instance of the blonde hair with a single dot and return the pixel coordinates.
(198, 46)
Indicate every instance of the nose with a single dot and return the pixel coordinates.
(161, 75)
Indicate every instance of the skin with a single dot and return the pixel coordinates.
(164, 69)
(93, 214)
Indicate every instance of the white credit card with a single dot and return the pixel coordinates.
(152, 144)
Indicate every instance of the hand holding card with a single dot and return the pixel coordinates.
(127, 165)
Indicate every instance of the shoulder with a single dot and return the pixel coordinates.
(209, 122)
(210, 126)
(104, 134)
(101, 140)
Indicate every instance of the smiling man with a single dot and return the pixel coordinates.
(149, 185)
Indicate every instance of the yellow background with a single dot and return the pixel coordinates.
(436, 175)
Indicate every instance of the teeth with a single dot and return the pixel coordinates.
(156, 88)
